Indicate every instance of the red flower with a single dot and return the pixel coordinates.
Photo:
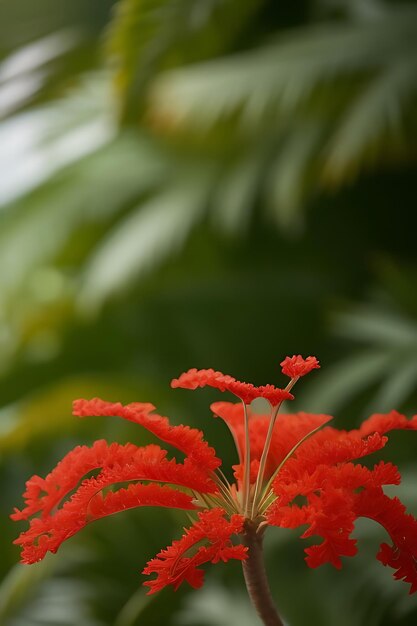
(295, 366)
(279, 461)
(172, 567)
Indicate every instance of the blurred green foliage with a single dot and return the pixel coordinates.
(201, 183)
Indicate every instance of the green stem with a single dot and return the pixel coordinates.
(267, 492)
(265, 451)
(255, 576)
(246, 476)
(264, 457)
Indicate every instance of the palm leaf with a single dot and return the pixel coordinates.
(343, 381)
(359, 77)
(156, 230)
(375, 121)
(46, 413)
(291, 178)
(149, 35)
(388, 363)
(30, 596)
(383, 328)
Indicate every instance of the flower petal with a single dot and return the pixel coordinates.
(46, 534)
(336, 497)
(119, 463)
(245, 391)
(188, 440)
(384, 422)
(346, 476)
(176, 564)
(330, 516)
(296, 366)
(402, 528)
(329, 447)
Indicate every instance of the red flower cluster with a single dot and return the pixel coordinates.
(280, 459)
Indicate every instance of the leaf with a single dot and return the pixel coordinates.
(156, 230)
(339, 383)
(288, 185)
(375, 119)
(400, 384)
(282, 74)
(390, 359)
(20, 584)
(149, 35)
(91, 192)
(38, 143)
(41, 594)
(237, 190)
(353, 84)
(383, 328)
(48, 412)
(217, 606)
(27, 70)
(134, 607)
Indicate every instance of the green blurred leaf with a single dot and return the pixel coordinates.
(344, 380)
(150, 35)
(48, 412)
(146, 237)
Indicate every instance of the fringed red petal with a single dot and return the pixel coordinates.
(384, 422)
(188, 440)
(124, 463)
(46, 534)
(245, 391)
(402, 528)
(329, 516)
(194, 378)
(329, 447)
(175, 564)
(336, 497)
(43, 494)
(239, 468)
(332, 519)
(347, 476)
(296, 366)
(274, 395)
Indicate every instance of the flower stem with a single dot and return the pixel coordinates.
(246, 476)
(255, 576)
(267, 444)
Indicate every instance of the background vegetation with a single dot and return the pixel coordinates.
(201, 183)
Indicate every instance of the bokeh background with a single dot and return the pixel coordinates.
(202, 183)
